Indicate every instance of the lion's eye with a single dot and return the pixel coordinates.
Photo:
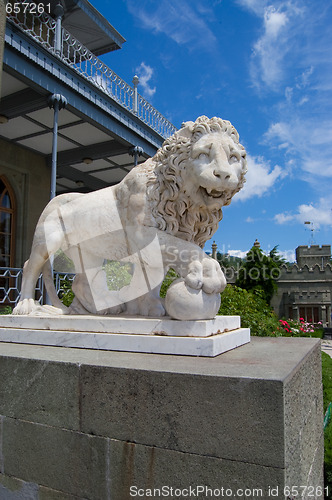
(233, 158)
(203, 156)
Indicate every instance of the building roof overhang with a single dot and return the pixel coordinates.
(88, 25)
(99, 134)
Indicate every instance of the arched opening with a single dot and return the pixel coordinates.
(7, 223)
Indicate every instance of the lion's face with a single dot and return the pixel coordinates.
(212, 174)
(193, 175)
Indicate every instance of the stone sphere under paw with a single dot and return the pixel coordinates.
(185, 303)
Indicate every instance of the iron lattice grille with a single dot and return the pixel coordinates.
(11, 280)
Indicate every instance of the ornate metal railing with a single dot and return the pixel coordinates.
(43, 28)
(11, 280)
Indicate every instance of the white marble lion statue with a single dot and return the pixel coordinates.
(158, 217)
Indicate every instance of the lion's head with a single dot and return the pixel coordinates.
(194, 174)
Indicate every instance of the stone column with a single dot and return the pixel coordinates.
(296, 314)
(322, 315)
(329, 316)
(214, 250)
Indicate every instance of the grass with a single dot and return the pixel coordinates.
(327, 398)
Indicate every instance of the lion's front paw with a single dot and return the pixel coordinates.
(194, 278)
(206, 274)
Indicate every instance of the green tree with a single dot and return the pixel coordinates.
(259, 272)
(225, 260)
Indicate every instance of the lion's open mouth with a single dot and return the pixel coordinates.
(213, 193)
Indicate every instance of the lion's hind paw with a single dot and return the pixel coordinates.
(25, 306)
(32, 307)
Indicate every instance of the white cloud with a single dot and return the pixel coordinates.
(183, 22)
(289, 255)
(303, 100)
(267, 53)
(145, 74)
(256, 6)
(304, 78)
(274, 21)
(296, 94)
(319, 214)
(260, 178)
(279, 23)
(281, 134)
(237, 253)
(309, 143)
(283, 218)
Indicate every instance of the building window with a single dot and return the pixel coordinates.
(7, 223)
(310, 314)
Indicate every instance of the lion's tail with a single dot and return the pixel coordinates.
(49, 284)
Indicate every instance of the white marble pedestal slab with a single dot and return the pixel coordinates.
(149, 335)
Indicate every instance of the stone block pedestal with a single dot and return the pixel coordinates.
(96, 425)
(129, 334)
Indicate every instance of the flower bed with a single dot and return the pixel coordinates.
(301, 328)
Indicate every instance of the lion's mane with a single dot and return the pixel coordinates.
(172, 209)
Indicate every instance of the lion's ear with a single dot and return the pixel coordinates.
(186, 129)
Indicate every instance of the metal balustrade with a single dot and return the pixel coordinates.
(11, 280)
(42, 28)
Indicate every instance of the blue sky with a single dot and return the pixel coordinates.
(267, 67)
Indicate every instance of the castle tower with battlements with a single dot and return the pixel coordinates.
(313, 255)
(305, 288)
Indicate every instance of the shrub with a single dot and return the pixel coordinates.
(169, 278)
(255, 312)
(68, 295)
(5, 310)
